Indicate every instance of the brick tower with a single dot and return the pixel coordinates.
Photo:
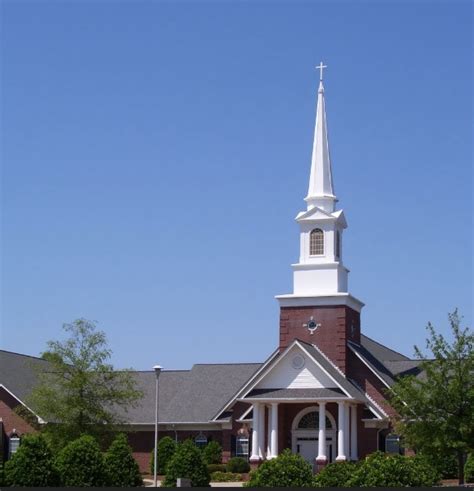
(320, 310)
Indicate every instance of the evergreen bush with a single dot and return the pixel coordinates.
(286, 470)
(212, 453)
(238, 465)
(380, 469)
(216, 468)
(469, 469)
(81, 463)
(335, 475)
(225, 477)
(166, 449)
(122, 468)
(187, 462)
(32, 464)
(446, 464)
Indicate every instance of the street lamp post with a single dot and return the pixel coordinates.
(157, 369)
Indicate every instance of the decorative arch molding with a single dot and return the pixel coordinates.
(310, 409)
(300, 435)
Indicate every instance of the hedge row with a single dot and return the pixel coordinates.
(80, 463)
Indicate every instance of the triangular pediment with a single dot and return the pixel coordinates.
(319, 214)
(314, 214)
(295, 370)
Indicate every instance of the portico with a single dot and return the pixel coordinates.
(309, 429)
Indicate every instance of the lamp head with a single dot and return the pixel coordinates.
(157, 369)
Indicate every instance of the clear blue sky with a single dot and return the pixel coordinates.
(155, 155)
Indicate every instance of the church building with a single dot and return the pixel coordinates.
(323, 392)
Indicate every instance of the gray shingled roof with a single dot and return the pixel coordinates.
(197, 395)
(194, 395)
(296, 393)
(191, 396)
(18, 373)
(387, 363)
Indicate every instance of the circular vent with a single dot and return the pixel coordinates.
(297, 362)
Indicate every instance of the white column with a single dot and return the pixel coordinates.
(261, 432)
(341, 431)
(255, 431)
(322, 433)
(274, 431)
(269, 431)
(347, 433)
(354, 454)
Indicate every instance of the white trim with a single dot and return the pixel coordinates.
(295, 399)
(349, 343)
(41, 421)
(295, 342)
(236, 395)
(295, 432)
(292, 300)
(325, 371)
(246, 413)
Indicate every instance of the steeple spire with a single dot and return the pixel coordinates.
(320, 190)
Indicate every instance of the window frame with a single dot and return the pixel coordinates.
(318, 244)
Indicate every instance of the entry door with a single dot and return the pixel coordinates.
(308, 449)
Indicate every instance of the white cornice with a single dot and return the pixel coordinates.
(333, 299)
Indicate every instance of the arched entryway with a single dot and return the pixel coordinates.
(304, 434)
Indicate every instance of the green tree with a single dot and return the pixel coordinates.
(166, 449)
(436, 408)
(81, 464)
(122, 468)
(32, 464)
(80, 392)
(187, 462)
(286, 470)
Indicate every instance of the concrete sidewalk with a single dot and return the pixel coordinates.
(149, 484)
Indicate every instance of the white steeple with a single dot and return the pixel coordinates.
(321, 190)
(320, 277)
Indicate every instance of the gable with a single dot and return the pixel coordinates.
(295, 370)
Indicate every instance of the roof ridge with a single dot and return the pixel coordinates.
(227, 364)
(23, 354)
(383, 346)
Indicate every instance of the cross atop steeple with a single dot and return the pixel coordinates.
(321, 67)
(321, 189)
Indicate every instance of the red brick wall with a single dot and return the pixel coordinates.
(142, 443)
(11, 420)
(331, 337)
(369, 383)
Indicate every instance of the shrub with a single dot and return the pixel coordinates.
(122, 468)
(445, 464)
(32, 464)
(166, 449)
(187, 462)
(216, 468)
(81, 463)
(212, 453)
(469, 469)
(379, 469)
(335, 475)
(286, 470)
(238, 464)
(225, 477)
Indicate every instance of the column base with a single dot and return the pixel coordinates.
(341, 458)
(255, 463)
(320, 463)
